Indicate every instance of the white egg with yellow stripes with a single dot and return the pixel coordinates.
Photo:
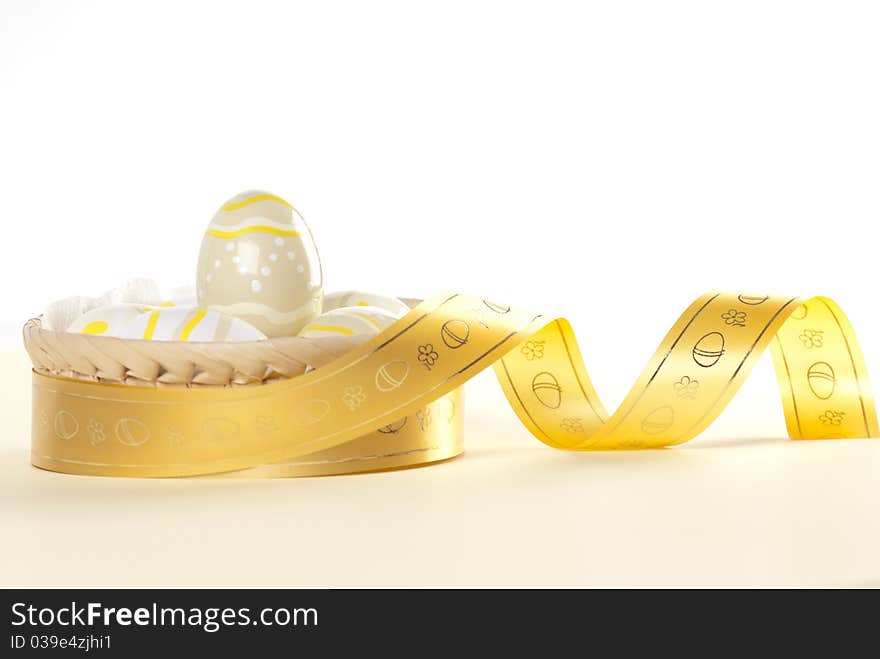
(349, 321)
(190, 324)
(258, 262)
(360, 299)
(108, 320)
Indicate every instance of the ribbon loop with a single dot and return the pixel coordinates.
(395, 400)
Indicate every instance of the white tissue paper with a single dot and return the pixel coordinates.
(133, 291)
(59, 315)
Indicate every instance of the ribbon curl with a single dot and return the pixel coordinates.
(395, 401)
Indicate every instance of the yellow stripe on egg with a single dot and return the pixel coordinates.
(336, 329)
(191, 323)
(151, 325)
(235, 205)
(96, 327)
(257, 228)
(368, 319)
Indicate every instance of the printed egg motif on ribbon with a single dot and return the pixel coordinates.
(709, 349)
(822, 380)
(659, 420)
(496, 307)
(394, 428)
(66, 426)
(309, 412)
(455, 333)
(132, 432)
(546, 388)
(753, 300)
(800, 313)
(391, 375)
(258, 262)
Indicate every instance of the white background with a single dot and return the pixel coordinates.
(609, 161)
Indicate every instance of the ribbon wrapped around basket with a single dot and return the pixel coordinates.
(126, 407)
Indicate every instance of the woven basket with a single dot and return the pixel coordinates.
(178, 363)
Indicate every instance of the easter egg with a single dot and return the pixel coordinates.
(189, 324)
(132, 432)
(393, 428)
(821, 378)
(109, 320)
(496, 307)
(709, 349)
(391, 375)
(361, 299)
(66, 425)
(309, 412)
(349, 321)
(258, 262)
(455, 333)
(660, 420)
(546, 388)
(753, 300)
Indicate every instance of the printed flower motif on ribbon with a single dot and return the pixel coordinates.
(352, 397)
(734, 318)
(424, 418)
(686, 387)
(96, 432)
(572, 424)
(832, 418)
(428, 356)
(175, 437)
(533, 350)
(811, 338)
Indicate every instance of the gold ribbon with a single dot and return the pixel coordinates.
(395, 401)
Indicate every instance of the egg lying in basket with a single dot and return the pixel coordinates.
(109, 320)
(362, 299)
(189, 324)
(349, 321)
(258, 262)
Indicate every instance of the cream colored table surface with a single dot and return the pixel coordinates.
(511, 512)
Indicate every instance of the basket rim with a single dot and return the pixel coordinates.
(203, 363)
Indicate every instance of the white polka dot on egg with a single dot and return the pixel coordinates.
(208, 277)
(291, 256)
(236, 259)
(265, 271)
(230, 246)
(216, 263)
(273, 257)
(300, 269)
(256, 286)
(242, 270)
(279, 241)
